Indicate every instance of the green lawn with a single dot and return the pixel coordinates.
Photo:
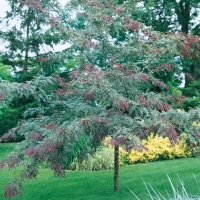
(98, 185)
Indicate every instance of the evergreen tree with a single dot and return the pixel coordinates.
(26, 34)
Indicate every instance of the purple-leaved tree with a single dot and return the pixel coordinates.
(111, 91)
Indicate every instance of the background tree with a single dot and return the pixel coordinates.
(179, 16)
(26, 35)
(105, 95)
(27, 39)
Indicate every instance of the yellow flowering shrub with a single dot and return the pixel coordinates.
(159, 148)
(196, 123)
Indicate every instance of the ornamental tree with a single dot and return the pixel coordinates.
(111, 91)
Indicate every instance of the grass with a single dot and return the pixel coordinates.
(98, 185)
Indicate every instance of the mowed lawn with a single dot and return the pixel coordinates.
(98, 185)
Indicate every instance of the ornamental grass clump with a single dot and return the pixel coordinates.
(103, 159)
(177, 192)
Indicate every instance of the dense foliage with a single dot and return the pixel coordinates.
(113, 90)
(29, 42)
(182, 16)
(157, 148)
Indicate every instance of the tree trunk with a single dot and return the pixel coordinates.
(25, 69)
(116, 168)
(183, 11)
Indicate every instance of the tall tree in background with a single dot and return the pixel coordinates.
(27, 39)
(179, 16)
(165, 15)
(25, 35)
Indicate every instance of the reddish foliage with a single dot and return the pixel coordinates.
(31, 151)
(30, 173)
(162, 106)
(88, 96)
(102, 120)
(40, 154)
(129, 72)
(74, 74)
(83, 121)
(121, 139)
(140, 147)
(131, 25)
(156, 50)
(94, 3)
(61, 81)
(118, 66)
(107, 19)
(143, 101)
(142, 76)
(171, 133)
(143, 132)
(117, 141)
(13, 189)
(157, 82)
(2, 96)
(108, 112)
(93, 71)
(197, 135)
(2, 164)
(190, 46)
(164, 66)
(34, 4)
(177, 99)
(89, 68)
(51, 126)
(151, 36)
(12, 161)
(113, 142)
(43, 60)
(123, 105)
(118, 10)
(49, 147)
(36, 136)
(36, 152)
(89, 44)
(58, 169)
(60, 92)
(8, 137)
(62, 131)
(54, 20)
